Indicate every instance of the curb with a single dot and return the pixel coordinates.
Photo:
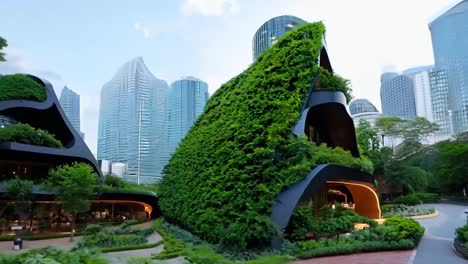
(458, 253)
(417, 217)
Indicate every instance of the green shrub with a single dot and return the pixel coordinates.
(301, 224)
(273, 259)
(410, 199)
(350, 247)
(114, 181)
(131, 247)
(24, 133)
(51, 255)
(205, 255)
(127, 223)
(405, 210)
(397, 228)
(428, 197)
(92, 229)
(108, 240)
(172, 247)
(462, 233)
(21, 87)
(222, 180)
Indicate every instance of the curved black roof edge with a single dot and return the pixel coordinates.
(288, 200)
(333, 105)
(75, 148)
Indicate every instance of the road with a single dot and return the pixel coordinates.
(436, 245)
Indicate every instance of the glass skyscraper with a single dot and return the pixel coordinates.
(133, 122)
(271, 31)
(397, 95)
(187, 100)
(449, 34)
(70, 103)
(358, 106)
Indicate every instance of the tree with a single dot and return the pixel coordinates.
(453, 168)
(114, 181)
(3, 44)
(21, 192)
(75, 185)
(369, 144)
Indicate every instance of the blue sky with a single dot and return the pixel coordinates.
(83, 43)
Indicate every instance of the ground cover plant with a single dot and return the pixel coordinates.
(389, 210)
(221, 182)
(26, 134)
(395, 234)
(54, 256)
(21, 87)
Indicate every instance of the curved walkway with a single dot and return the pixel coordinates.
(436, 245)
(6, 247)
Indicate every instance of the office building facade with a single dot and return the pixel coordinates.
(449, 34)
(70, 103)
(397, 95)
(271, 31)
(133, 122)
(187, 99)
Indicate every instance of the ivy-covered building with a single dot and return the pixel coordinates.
(275, 137)
(36, 136)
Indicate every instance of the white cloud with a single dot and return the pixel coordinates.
(147, 31)
(210, 7)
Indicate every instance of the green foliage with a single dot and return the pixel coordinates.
(75, 186)
(92, 229)
(205, 255)
(172, 247)
(21, 87)
(329, 222)
(26, 134)
(301, 225)
(389, 210)
(114, 181)
(271, 259)
(343, 248)
(108, 240)
(453, 168)
(221, 181)
(462, 233)
(396, 233)
(398, 228)
(428, 197)
(410, 199)
(53, 256)
(3, 44)
(127, 223)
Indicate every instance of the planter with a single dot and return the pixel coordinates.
(460, 249)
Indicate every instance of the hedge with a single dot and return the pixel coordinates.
(221, 181)
(357, 247)
(132, 247)
(26, 134)
(21, 87)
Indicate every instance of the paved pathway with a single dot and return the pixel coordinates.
(436, 245)
(389, 257)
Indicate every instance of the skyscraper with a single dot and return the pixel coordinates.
(358, 106)
(70, 103)
(449, 34)
(397, 95)
(187, 100)
(271, 31)
(133, 122)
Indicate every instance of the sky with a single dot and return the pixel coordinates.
(83, 43)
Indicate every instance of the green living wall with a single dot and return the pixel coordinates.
(21, 87)
(221, 181)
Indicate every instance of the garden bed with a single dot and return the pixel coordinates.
(390, 210)
(460, 248)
